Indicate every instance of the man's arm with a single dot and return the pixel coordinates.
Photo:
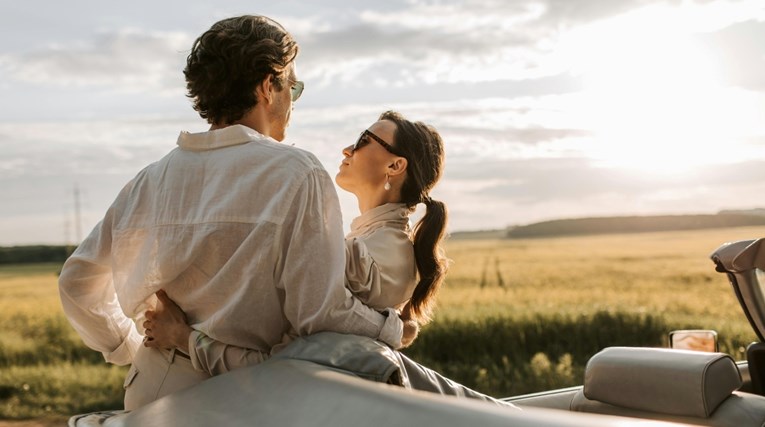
(90, 302)
(312, 267)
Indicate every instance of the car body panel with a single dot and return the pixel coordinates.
(301, 393)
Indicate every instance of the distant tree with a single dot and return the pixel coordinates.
(34, 254)
(633, 224)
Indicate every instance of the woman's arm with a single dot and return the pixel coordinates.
(167, 327)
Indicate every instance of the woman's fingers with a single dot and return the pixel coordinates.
(170, 310)
(166, 326)
(162, 296)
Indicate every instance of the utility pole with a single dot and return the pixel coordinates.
(67, 227)
(77, 228)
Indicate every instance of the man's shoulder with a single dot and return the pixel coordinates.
(302, 156)
(289, 155)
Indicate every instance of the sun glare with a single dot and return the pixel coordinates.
(652, 95)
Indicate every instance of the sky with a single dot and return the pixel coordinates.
(548, 109)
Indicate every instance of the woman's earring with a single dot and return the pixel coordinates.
(387, 183)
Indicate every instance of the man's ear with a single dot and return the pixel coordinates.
(397, 166)
(264, 91)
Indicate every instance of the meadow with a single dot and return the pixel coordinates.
(514, 316)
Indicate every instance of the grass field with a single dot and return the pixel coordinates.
(667, 273)
(514, 316)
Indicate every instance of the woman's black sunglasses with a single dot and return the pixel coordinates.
(364, 140)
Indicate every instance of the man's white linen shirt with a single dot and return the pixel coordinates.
(242, 232)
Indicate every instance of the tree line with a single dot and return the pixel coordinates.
(34, 254)
(633, 224)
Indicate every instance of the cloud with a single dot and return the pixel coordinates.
(429, 43)
(85, 148)
(129, 60)
(740, 53)
(532, 181)
(495, 16)
(369, 54)
(457, 42)
(570, 13)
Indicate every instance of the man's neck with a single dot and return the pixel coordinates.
(252, 120)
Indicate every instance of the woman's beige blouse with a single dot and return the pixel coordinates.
(380, 268)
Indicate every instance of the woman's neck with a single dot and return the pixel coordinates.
(370, 201)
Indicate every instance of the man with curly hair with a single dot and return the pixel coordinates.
(242, 231)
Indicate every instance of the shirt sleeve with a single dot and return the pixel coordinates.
(215, 358)
(90, 301)
(312, 269)
(361, 272)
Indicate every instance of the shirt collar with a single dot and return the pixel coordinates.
(219, 138)
(390, 214)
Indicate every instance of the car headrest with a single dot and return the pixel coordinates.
(677, 382)
(741, 255)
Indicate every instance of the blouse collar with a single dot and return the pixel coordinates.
(394, 215)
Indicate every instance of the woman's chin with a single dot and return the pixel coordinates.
(340, 180)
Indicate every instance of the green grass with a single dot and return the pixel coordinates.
(506, 356)
(666, 273)
(57, 389)
(514, 316)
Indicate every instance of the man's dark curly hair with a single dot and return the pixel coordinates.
(230, 59)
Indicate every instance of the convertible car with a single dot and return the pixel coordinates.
(623, 386)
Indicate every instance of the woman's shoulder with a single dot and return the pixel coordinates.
(383, 245)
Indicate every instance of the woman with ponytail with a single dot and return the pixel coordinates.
(391, 169)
